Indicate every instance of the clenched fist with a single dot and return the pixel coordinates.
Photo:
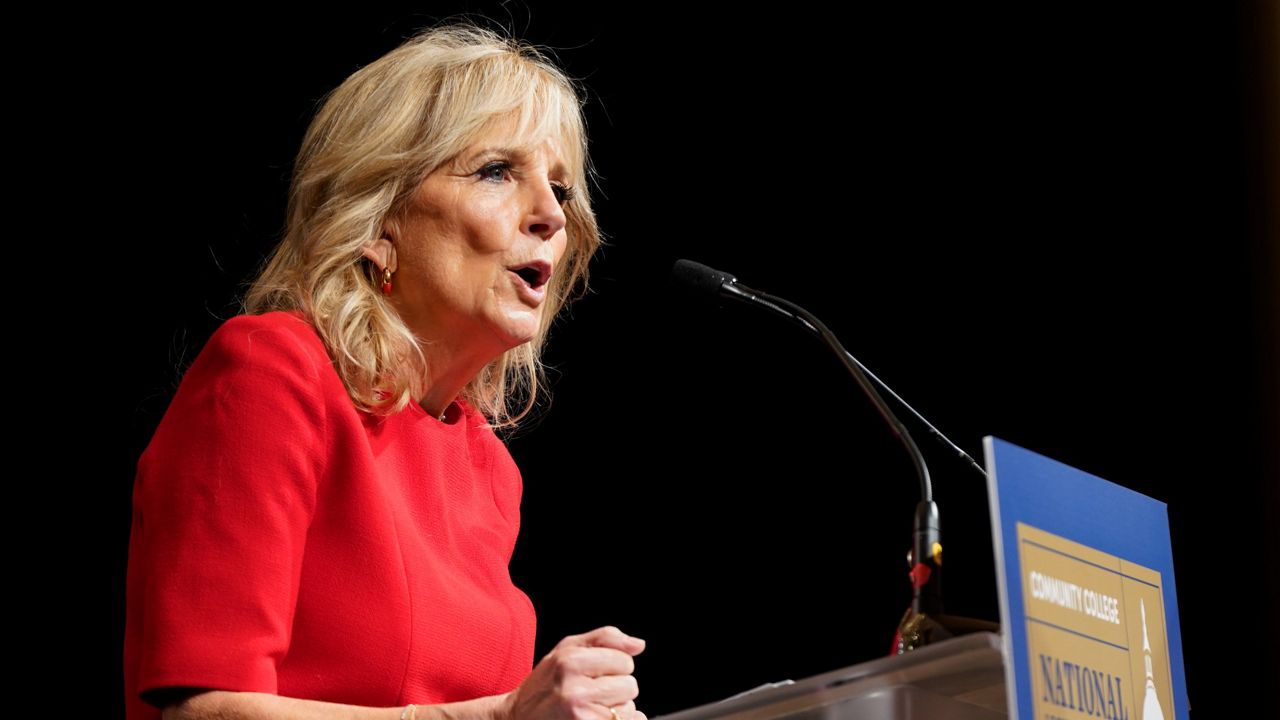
(585, 677)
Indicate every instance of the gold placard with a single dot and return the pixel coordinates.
(1095, 632)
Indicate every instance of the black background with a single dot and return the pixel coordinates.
(1038, 223)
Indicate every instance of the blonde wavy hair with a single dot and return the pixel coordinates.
(374, 140)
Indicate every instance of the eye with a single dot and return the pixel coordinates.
(564, 193)
(495, 171)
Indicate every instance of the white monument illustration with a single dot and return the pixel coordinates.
(1150, 704)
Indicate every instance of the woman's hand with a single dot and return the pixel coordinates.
(581, 679)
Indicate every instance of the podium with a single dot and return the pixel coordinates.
(1088, 618)
(958, 679)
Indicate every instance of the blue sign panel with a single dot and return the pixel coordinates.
(1087, 598)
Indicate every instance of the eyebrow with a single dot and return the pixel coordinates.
(515, 151)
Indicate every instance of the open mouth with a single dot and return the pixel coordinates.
(535, 274)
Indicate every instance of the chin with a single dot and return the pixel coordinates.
(509, 326)
(515, 337)
(523, 340)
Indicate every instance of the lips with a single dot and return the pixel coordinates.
(530, 280)
(535, 274)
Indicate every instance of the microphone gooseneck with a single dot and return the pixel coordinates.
(708, 283)
(925, 621)
(806, 319)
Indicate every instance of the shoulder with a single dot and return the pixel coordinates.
(477, 425)
(282, 338)
(261, 387)
(276, 357)
(274, 326)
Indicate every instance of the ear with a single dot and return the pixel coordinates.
(383, 250)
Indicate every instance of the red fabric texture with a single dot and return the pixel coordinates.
(285, 542)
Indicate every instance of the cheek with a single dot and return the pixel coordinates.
(489, 228)
(561, 243)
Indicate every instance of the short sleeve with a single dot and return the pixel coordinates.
(222, 500)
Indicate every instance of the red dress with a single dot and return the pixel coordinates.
(285, 542)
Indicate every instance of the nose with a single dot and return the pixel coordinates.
(546, 215)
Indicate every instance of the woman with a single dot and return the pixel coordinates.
(324, 517)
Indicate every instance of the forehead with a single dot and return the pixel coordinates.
(505, 136)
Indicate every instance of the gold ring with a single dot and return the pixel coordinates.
(614, 712)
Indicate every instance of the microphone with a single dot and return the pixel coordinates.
(924, 622)
(701, 281)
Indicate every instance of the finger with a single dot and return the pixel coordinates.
(624, 711)
(610, 690)
(596, 661)
(608, 636)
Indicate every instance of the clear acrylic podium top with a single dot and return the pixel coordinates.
(957, 679)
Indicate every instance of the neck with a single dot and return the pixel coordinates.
(445, 382)
(449, 370)
(437, 403)
(454, 357)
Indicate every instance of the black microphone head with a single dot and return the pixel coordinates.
(699, 280)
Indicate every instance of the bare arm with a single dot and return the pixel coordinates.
(585, 677)
(227, 705)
